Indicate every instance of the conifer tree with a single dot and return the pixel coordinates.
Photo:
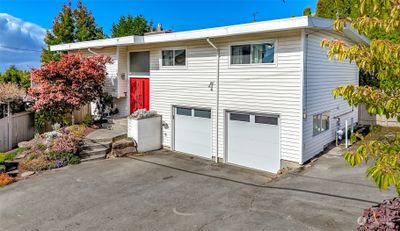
(85, 25)
(62, 32)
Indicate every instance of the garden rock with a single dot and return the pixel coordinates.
(13, 173)
(26, 174)
(22, 155)
(24, 144)
(123, 147)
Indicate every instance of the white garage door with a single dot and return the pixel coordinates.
(193, 131)
(253, 141)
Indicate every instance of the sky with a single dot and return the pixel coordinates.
(23, 23)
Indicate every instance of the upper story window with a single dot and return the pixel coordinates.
(173, 58)
(320, 123)
(139, 63)
(253, 53)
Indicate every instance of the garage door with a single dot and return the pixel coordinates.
(193, 131)
(253, 141)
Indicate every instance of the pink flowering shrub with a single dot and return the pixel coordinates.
(65, 143)
(65, 85)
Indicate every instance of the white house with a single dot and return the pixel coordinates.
(256, 95)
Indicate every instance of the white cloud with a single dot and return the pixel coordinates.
(20, 42)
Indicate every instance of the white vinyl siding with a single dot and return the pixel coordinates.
(268, 89)
(183, 87)
(322, 76)
(123, 73)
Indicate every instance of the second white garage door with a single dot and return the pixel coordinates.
(193, 131)
(253, 141)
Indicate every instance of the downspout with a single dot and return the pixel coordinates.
(90, 50)
(218, 56)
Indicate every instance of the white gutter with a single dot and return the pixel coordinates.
(247, 28)
(218, 56)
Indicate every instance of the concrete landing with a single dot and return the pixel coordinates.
(107, 135)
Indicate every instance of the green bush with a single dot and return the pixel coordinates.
(10, 155)
(63, 157)
(74, 160)
(88, 120)
(2, 158)
(2, 168)
(41, 147)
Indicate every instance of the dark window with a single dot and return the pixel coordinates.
(262, 53)
(320, 123)
(174, 57)
(202, 113)
(184, 111)
(239, 117)
(180, 57)
(252, 54)
(240, 54)
(139, 63)
(266, 120)
(168, 58)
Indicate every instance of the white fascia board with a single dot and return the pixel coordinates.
(351, 33)
(248, 28)
(99, 43)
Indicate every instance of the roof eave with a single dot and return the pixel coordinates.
(248, 28)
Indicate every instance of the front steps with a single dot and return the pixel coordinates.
(95, 150)
(98, 144)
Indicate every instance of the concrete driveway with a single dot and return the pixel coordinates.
(170, 191)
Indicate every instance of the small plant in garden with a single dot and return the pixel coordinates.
(39, 163)
(77, 131)
(5, 179)
(142, 114)
(2, 158)
(10, 155)
(41, 147)
(65, 143)
(88, 120)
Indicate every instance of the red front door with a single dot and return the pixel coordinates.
(140, 94)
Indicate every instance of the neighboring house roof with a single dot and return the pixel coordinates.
(248, 28)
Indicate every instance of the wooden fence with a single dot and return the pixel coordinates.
(22, 129)
(366, 119)
(79, 115)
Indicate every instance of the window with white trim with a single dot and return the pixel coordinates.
(320, 123)
(173, 57)
(253, 53)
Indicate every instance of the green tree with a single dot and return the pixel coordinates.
(307, 11)
(337, 8)
(70, 26)
(130, 25)
(380, 58)
(86, 28)
(62, 32)
(19, 77)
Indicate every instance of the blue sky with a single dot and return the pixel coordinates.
(23, 22)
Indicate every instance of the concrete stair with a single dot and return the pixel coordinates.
(95, 149)
(97, 144)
